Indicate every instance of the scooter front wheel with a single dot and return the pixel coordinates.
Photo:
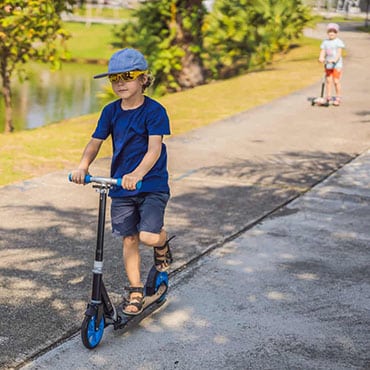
(91, 336)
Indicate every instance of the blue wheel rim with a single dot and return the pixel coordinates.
(94, 336)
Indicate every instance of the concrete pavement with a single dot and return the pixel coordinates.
(293, 292)
(225, 178)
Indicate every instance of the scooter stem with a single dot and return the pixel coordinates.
(98, 263)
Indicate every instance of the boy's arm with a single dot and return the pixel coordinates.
(130, 180)
(89, 154)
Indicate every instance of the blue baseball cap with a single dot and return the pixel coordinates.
(125, 60)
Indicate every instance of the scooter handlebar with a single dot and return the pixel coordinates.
(104, 180)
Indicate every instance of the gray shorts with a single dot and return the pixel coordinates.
(143, 212)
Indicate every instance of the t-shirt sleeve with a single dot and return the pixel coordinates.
(103, 128)
(340, 44)
(158, 122)
(323, 45)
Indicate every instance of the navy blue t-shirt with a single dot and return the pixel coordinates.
(130, 131)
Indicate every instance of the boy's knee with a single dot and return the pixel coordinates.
(150, 239)
(131, 240)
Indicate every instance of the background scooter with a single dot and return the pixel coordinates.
(320, 101)
(100, 311)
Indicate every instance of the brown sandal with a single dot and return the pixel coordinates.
(133, 301)
(162, 261)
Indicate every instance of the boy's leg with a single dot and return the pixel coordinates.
(125, 217)
(151, 231)
(132, 260)
(162, 252)
(153, 239)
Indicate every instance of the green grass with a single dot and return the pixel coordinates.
(338, 18)
(31, 153)
(365, 29)
(87, 40)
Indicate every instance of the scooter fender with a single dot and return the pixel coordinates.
(91, 310)
(154, 280)
(97, 311)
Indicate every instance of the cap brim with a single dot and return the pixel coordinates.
(115, 72)
(102, 75)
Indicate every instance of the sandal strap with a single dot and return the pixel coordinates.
(135, 289)
(134, 301)
(159, 258)
(165, 244)
(165, 258)
(136, 304)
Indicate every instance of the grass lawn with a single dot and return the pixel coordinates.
(83, 44)
(32, 153)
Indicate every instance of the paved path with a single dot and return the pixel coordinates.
(293, 292)
(226, 178)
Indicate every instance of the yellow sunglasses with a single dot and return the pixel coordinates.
(126, 76)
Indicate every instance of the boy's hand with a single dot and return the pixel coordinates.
(321, 60)
(130, 181)
(78, 176)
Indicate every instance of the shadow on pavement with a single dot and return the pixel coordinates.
(46, 270)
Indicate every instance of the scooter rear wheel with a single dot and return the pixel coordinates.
(154, 280)
(161, 278)
(91, 336)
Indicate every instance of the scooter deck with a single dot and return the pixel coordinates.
(150, 304)
(319, 102)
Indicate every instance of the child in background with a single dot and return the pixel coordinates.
(331, 56)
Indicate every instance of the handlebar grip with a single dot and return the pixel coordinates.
(138, 185)
(87, 178)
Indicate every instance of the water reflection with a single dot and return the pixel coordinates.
(53, 96)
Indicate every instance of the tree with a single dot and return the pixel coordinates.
(29, 30)
(243, 34)
(230, 37)
(185, 45)
(169, 34)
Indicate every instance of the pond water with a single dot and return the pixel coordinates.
(51, 96)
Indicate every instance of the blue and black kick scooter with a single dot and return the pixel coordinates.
(100, 311)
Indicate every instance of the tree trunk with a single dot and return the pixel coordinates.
(192, 73)
(8, 104)
(7, 94)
